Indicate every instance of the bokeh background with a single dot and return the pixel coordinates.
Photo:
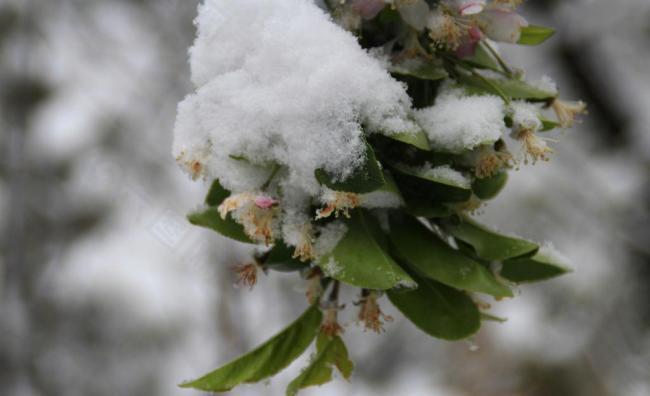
(105, 289)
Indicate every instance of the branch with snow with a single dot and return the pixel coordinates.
(352, 142)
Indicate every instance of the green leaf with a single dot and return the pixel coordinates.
(280, 258)
(483, 59)
(210, 218)
(511, 88)
(330, 352)
(416, 139)
(265, 360)
(438, 310)
(360, 260)
(540, 267)
(367, 178)
(534, 35)
(420, 68)
(389, 188)
(548, 125)
(422, 189)
(434, 259)
(216, 194)
(488, 244)
(490, 187)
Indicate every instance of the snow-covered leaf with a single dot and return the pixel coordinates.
(511, 88)
(367, 178)
(488, 244)
(420, 68)
(416, 139)
(360, 260)
(425, 185)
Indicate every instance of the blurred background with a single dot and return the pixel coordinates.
(105, 289)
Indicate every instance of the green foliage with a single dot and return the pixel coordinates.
(533, 269)
(489, 245)
(535, 35)
(210, 218)
(427, 254)
(367, 178)
(265, 360)
(360, 260)
(416, 139)
(438, 310)
(490, 187)
(280, 258)
(330, 352)
(421, 69)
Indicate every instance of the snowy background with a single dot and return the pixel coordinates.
(105, 289)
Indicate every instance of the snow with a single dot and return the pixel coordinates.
(329, 237)
(300, 105)
(525, 116)
(456, 123)
(446, 173)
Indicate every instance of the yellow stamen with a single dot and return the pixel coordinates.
(567, 112)
(341, 202)
(305, 248)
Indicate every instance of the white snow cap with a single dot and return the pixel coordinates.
(456, 122)
(279, 82)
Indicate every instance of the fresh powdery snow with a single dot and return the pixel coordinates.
(525, 116)
(458, 122)
(279, 83)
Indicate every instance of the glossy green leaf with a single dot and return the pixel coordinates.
(534, 35)
(367, 178)
(490, 187)
(421, 69)
(265, 360)
(216, 194)
(416, 139)
(330, 352)
(427, 254)
(488, 244)
(210, 218)
(438, 310)
(280, 258)
(540, 267)
(360, 260)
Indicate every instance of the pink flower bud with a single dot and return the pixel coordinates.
(265, 202)
(368, 9)
(502, 24)
(467, 46)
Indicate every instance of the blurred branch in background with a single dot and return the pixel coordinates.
(104, 290)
